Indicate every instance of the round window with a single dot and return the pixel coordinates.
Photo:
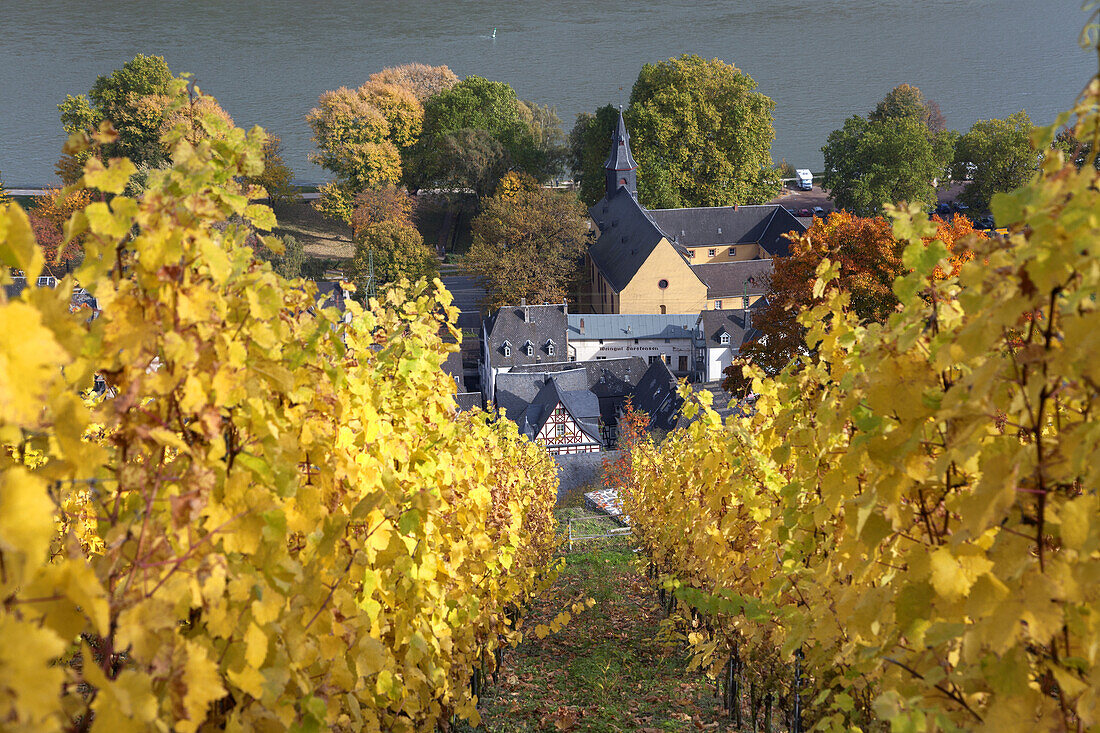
(662, 284)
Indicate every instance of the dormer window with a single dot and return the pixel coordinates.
(550, 348)
(507, 348)
(724, 339)
(529, 349)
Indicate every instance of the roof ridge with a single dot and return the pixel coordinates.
(730, 206)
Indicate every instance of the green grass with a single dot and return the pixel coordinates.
(612, 668)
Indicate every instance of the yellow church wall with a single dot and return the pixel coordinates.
(741, 252)
(684, 294)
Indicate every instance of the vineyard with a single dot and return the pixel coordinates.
(268, 519)
(909, 514)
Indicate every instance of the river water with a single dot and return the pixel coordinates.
(267, 62)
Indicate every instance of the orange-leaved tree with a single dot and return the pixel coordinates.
(617, 470)
(870, 259)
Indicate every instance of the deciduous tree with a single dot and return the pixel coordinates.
(459, 124)
(617, 471)
(384, 203)
(701, 134)
(527, 245)
(360, 135)
(277, 177)
(905, 101)
(589, 143)
(420, 79)
(997, 156)
(397, 250)
(870, 259)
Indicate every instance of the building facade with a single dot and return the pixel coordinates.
(666, 338)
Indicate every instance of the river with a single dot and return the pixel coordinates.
(266, 62)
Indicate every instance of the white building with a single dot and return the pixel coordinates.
(719, 336)
(667, 338)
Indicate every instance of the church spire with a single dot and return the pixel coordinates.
(620, 168)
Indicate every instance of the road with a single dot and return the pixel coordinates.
(468, 297)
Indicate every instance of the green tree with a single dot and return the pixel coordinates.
(398, 251)
(289, 263)
(527, 244)
(997, 156)
(466, 159)
(872, 163)
(701, 135)
(360, 135)
(589, 143)
(493, 108)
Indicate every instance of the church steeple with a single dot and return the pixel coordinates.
(620, 168)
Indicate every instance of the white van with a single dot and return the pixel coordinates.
(805, 179)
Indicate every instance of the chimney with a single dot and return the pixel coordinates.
(523, 306)
(747, 317)
(582, 325)
(565, 306)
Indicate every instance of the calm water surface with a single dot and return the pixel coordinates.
(266, 62)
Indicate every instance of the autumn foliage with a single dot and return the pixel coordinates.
(270, 520)
(870, 258)
(617, 470)
(911, 513)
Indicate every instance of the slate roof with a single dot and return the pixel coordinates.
(715, 323)
(581, 404)
(332, 293)
(466, 401)
(541, 323)
(627, 237)
(620, 158)
(734, 279)
(609, 326)
(516, 390)
(699, 227)
(611, 380)
(656, 396)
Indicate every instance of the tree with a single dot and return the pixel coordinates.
(5, 197)
(384, 203)
(617, 472)
(870, 260)
(277, 177)
(701, 135)
(869, 164)
(997, 156)
(398, 251)
(545, 127)
(513, 185)
(1074, 149)
(133, 99)
(589, 143)
(906, 101)
(465, 159)
(492, 109)
(420, 79)
(527, 245)
(360, 135)
(289, 263)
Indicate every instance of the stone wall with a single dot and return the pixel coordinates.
(580, 469)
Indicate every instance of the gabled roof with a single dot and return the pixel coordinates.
(729, 225)
(610, 326)
(516, 390)
(519, 324)
(656, 396)
(620, 158)
(627, 237)
(734, 279)
(581, 405)
(715, 323)
(332, 293)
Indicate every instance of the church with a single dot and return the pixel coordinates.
(677, 260)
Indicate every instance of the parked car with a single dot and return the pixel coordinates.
(805, 179)
(943, 210)
(985, 222)
(819, 212)
(959, 208)
(804, 212)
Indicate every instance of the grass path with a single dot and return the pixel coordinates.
(611, 669)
